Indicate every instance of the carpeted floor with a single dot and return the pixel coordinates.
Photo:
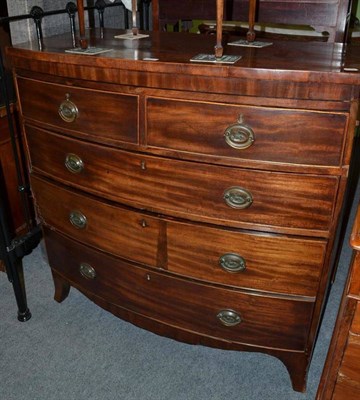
(76, 351)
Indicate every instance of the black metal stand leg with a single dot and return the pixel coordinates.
(14, 270)
(12, 247)
(13, 264)
(17, 280)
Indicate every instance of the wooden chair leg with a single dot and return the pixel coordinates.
(219, 21)
(83, 42)
(250, 36)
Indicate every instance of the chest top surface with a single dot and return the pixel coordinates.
(172, 52)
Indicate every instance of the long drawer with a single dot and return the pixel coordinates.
(243, 132)
(203, 192)
(226, 314)
(276, 263)
(97, 115)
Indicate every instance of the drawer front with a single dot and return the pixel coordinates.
(269, 263)
(265, 321)
(264, 134)
(349, 371)
(355, 326)
(128, 234)
(354, 288)
(197, 191)
(100, 115)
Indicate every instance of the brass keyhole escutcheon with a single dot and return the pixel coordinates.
(143, 223)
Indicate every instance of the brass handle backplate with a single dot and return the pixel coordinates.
(74, 163)
(78, 219)
(87, 271)
(232, 262)
(238, 197)
(229, 317)
(239, 136)
(68, 110)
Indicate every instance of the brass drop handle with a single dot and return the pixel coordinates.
(229, 318)
(239, 135)
(74, 163)
(78, 219)
(68, 110)
(232, 262)
(238, 197)
(87, 271)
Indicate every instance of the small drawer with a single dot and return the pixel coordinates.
(349, 371)
(354, 287)
(270, 263)
(242, 132)
(203, 192)
(355, 326)
(118, 231)
(93, 114)
(229, 315)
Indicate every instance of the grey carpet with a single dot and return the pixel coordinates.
(76, 351)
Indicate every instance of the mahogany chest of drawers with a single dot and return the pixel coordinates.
(199, 201)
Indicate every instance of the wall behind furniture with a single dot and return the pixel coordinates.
(23, 31)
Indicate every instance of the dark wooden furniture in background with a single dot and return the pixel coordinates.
(328, 16)
(19, 231)
(7, 166)
(9, 181)
(341, 375)
(204, 208)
